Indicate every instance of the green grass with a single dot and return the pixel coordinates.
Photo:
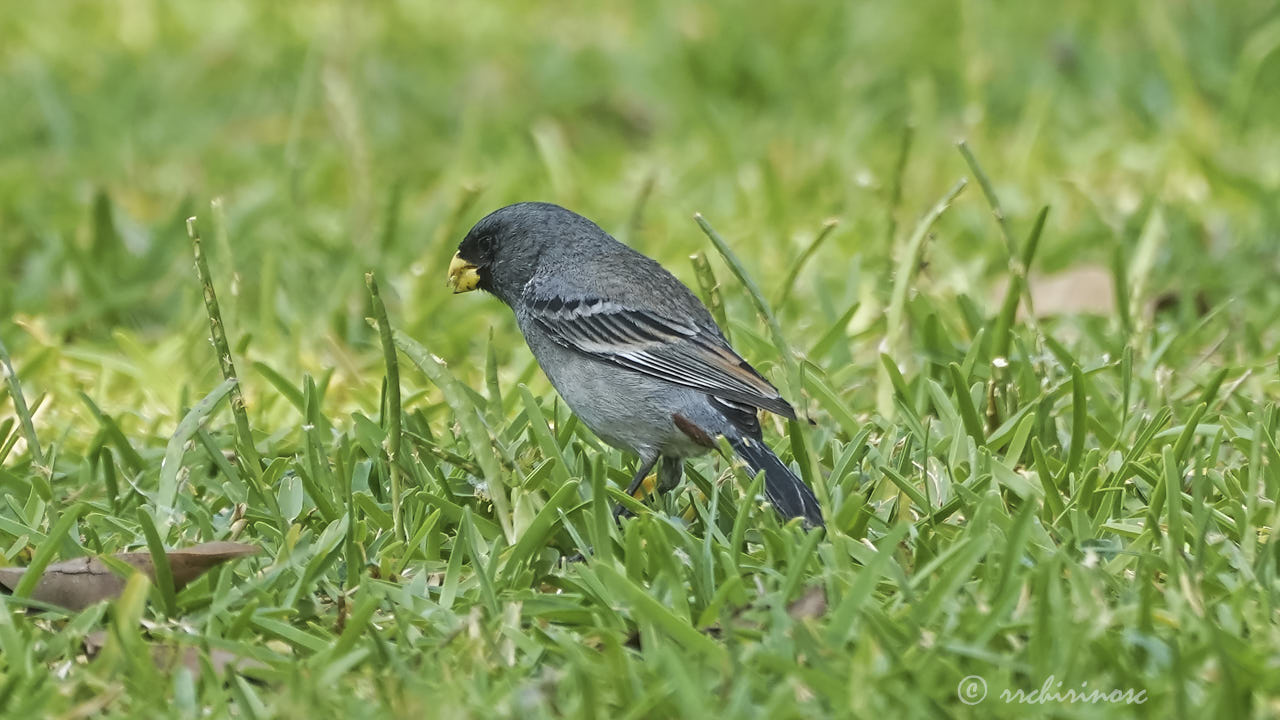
(1074, 498)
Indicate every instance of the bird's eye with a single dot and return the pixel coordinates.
(488, 246)
(477, 249)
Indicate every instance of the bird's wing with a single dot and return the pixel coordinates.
(648, 342)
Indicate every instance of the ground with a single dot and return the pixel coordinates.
(1036, 372)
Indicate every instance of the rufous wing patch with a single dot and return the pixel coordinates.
(695, 433)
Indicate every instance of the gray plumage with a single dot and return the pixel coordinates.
(631, 350)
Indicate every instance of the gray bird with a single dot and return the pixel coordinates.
(630, 349)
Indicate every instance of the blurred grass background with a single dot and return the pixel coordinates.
(341, 137)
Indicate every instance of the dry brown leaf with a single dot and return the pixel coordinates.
(1081, 290)
(167, 657)
(190, 563)
(74, 584)
(77, 584)
(812, 604)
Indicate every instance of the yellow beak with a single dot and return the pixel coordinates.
(463, 276)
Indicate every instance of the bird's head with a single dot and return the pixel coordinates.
(502, 252)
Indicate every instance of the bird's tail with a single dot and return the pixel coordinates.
(788, 493)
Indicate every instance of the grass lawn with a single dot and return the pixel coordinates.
(1028, 491)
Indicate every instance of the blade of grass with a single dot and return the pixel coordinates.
(542, 435)
(45, 551)
(42, 473)
(160, 563)
(1079, 416)
(895, 188)
(392, 420)
(710, 290)
(1006, 595)
(908, 263)
(358, 623)
(789, 282)
(167, 492)
(278, 381)
(1183, 444)
(128, 454)
(1017, 288)
(469, 418)
(647, 609)
(837, 333)
(907, 488)
(964, 403)
(602, 521)
(534, 536)
(636, 220)
(1016, 265)
(1053, 503)
(992, 199)
(831, 401)
(757, 297)
(840, 628)
(225, 361)
(492, 388)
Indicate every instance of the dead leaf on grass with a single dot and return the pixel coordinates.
(77, 584)
(1081, 290)
(813, 604)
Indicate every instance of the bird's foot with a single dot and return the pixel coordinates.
(648, 486)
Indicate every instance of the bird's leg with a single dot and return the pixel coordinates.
(669, 476)
(646, 464)
(670, 473)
